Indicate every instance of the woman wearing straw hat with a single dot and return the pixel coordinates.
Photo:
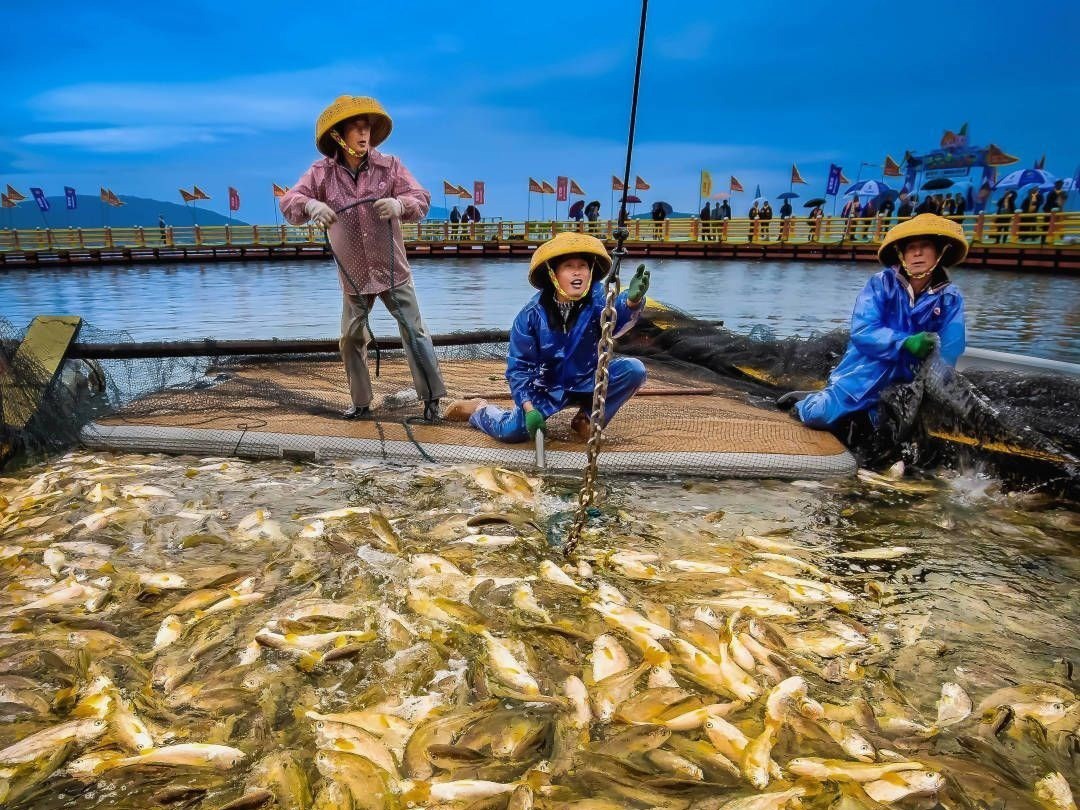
(902, 314)
(361, 197)
(552, 360)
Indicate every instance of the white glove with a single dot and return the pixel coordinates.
(389, 208)
(320, 213)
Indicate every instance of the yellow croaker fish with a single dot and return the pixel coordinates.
(833, 593)
(608, 657)
(897, 786)
(698, 567)
(766, 801)
(838, 769)
(54, 560)
(98, 520)
(794, 562)
(884, 553)
(575, 690)
(483, 541)
(312, 641)
(338, 514)
(28, 749)
(675, 764)
(350, 739)
(754, 603)
(507, 669)
(234, 601)
(757, 756)
(524, 600)
(550, 572)
(169, 631)
(1053, 792)
(190, 755)
(163, 581)
(127, 728)
(144, 491)
(953, 706)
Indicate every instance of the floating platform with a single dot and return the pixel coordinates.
(291, 409)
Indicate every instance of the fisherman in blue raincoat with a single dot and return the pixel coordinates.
(552, 359)
(900, 315)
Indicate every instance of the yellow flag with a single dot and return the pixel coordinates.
(706, 184)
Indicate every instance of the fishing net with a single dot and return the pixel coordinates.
(707, 408)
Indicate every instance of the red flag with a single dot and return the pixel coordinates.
(561, 184)
(464, 193)
(795, 176)
(639, 184)
(892, 168)
(448, 187)
(234, 199)
(199, 193)
(616, 184)
(280, 191)
(13, 195)
(843, 179)
(478, 192)
(735, 185)
(104, 194)
(535, 187)
(995, 156)
(115, 201)
(6, 201)
(548, 188)
(186, 196)
(575, 188)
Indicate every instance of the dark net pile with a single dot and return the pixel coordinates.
(715, 391)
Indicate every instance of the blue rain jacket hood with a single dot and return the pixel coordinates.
(887, 313)
(545, 364)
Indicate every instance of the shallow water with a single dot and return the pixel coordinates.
(1006, 310)
(984, 598)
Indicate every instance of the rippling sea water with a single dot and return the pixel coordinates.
(1006, 310)
(979, 592)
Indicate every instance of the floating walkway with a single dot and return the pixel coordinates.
(291, 409)
(1038, 242)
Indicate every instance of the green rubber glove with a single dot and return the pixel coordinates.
(639, 285)
(534, 421)
(921, 344)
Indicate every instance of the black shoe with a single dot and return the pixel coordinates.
(356, 412)
(431, 410)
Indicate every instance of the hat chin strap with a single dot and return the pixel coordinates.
(564, 293)
(341, 142)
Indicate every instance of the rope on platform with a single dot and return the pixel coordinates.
(607, 323)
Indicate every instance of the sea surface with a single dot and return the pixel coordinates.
(1008, 311)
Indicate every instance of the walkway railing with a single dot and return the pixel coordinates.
(1057, 230)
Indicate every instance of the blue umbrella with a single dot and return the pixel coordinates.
(867, 188)
(787, 195)
(1026, 177)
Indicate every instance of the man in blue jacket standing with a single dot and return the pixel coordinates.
(552, 359)
(902, 313)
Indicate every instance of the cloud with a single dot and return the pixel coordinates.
(128, 139)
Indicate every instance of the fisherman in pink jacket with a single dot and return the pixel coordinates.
(361, 197)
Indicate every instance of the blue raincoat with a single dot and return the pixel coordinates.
(546, 365)
(886, 314)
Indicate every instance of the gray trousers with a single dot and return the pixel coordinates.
(355, 337)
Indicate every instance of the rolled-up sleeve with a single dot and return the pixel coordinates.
(306, 188)
(415, 199)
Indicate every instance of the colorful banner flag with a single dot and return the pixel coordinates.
(548, 188)
(14, 195)
(6, 201)
(706, 184)
(70, 200)
(448, 187)
(104, 195)
(640, 185)
(114, 201)
(561, 184)
(995, 156)
(39, 198)
(892, 168)
(795, 176)
(843, 180)
(234, 199)
(281, 191)
(199, 193)
(832, 185)
(735, 185)
(464, 193)
(757, 191)
(186, 196)
(535, 187)
(478, 192)
(616, 184)
(575, 188)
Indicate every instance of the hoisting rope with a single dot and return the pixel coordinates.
(607, 324)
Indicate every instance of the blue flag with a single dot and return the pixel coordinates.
(757, 191)
(39, 198)
(70, 198)
(832, 185)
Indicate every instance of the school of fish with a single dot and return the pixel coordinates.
(172, 634)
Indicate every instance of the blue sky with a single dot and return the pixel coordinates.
(145, 98)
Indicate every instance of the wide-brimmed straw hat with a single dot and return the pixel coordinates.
(948, 235)
(567, 244)
(344, 108)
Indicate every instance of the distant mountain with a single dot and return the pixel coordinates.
(93, 213)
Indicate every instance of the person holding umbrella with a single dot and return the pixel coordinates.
(1031, 205)
(902, 314)
(361, 196)
(1006, 208)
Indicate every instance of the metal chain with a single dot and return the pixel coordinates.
(606, 348)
